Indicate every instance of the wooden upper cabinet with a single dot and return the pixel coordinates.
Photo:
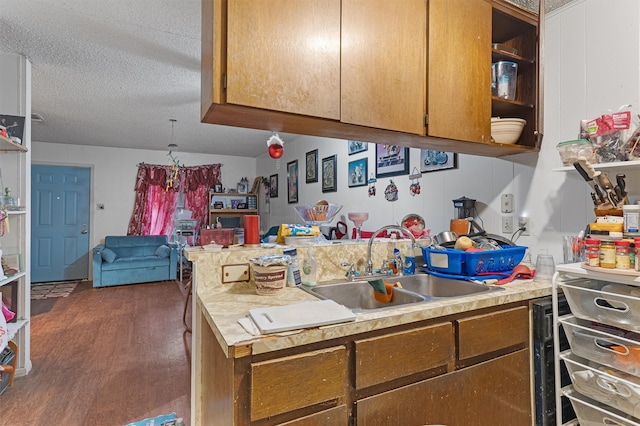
(284, 55)
(415, 73)
(459, 79)
(383, 72)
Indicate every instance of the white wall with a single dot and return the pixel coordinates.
(591, 66)
(481, 178)
(114, 172)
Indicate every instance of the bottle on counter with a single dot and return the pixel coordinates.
(398, 264)
(631, 215)
(592, 251)
(309, 269)
(410, 262)
(623, 260)
(607, 255)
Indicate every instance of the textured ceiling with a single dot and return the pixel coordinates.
(114, 72)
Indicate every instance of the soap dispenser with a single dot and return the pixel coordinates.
(309, 268)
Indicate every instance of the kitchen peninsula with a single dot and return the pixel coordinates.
(464, 360)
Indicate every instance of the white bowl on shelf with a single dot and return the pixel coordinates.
(506, 130)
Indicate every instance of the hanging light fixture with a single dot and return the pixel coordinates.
(172, 143)
(172, 175)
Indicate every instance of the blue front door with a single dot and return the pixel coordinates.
(59, 223)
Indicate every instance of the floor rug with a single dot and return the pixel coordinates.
(52, 290)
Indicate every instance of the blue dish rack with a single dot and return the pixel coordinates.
(459, 262)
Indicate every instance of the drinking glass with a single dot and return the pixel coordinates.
(545, 267)
(358, 218)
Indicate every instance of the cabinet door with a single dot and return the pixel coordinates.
(496, 392)
(459, 81)
(384, 64)
(333, 416)
(284, 55)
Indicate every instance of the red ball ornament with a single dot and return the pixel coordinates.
(276, 150)
(275, 146)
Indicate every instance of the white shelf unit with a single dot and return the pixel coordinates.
(15, 173)
(604, 166)
(573, 274)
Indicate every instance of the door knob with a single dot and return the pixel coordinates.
(84, 231)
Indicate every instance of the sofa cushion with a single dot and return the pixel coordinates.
(137, 262)
(163, 251)
(135, 245)
(108, 255)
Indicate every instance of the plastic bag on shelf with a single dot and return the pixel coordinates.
(611, 134)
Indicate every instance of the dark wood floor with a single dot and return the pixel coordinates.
(107, 356)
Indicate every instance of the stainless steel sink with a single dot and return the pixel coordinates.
(437, 287)
(358, 296)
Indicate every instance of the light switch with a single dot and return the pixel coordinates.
(235, 273)
(506, 203)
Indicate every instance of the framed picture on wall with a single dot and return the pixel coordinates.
(13, 127)
(312, 166)
(432, 160)
(329, 174)
(391, 160)
(357, 146)
(273, 186)
(292, 181)
(358, 172)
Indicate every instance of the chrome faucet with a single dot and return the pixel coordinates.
(351, 270)
(402, 229)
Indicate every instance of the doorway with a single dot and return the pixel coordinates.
(59, 223)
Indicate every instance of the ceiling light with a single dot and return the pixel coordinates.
(172, 142)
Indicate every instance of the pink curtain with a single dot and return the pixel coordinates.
(155, 200)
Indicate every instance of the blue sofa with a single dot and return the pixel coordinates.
(134, 259)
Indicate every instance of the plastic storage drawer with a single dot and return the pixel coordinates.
(611, 387)
(603, 347)
(607, 303)
(591, 413)
(459, 262)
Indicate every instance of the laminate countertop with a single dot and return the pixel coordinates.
(224, 304)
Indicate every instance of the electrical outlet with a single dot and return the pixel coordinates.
(524, 222)
(506, 203)
(235, 273)
(507, 224)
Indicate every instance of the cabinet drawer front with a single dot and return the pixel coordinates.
(282, 385)
(491, 332)
(334, 416)
(385, 358)
(491, 393)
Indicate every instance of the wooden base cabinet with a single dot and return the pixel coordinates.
(465, 369)
(492, 393)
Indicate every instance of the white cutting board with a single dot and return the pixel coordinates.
(300, 315)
